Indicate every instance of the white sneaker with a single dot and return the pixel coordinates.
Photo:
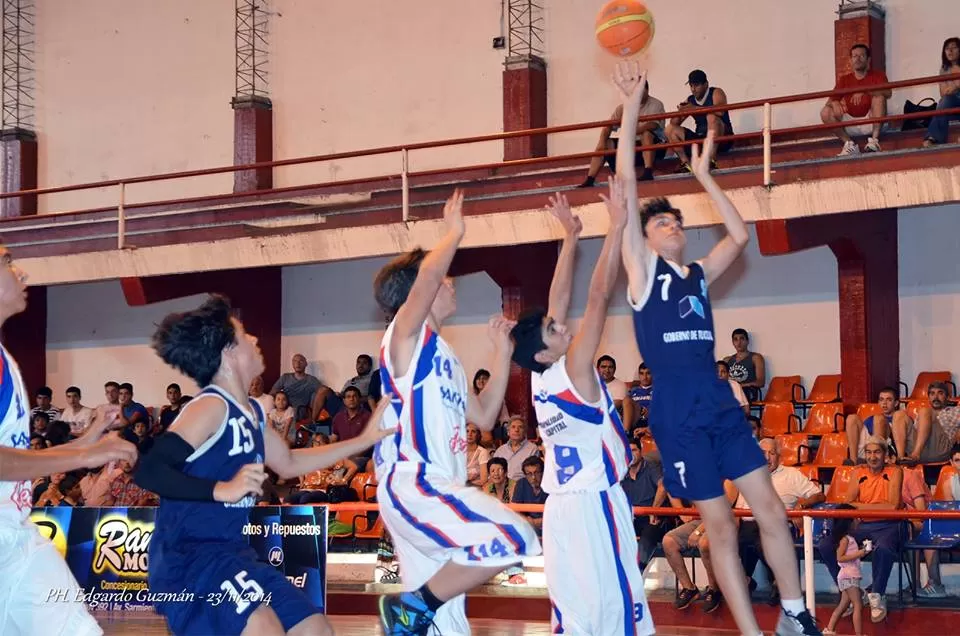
(878, 607)
(850, 148)
(873, 145)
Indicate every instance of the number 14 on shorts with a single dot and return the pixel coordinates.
(496, 549)
(241, 591)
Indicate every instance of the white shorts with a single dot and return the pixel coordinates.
(433, 521)
(590, 559)
(38, 593)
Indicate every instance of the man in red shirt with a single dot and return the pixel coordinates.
(856, 105)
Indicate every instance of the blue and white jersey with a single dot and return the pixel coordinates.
(237, 442)
(585, 445)
(16, 497)
(429, 407)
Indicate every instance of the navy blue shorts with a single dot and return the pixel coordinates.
(226, 587)
(706, 444)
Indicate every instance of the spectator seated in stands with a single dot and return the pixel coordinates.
(649, 133)
(350, 422)
(636, 410)
(701, 95)
(745, 366)
(123, 490)
(109, 411)
(327, 403)
(841, 108)
(37, 441)
(723, 372)
(58, 432)
(953, 486)
(875, 486)
(44, 399)
(361, 381)
(517, 448)
(643, 487)
(858, 432)
(40, 424)
(63, 489)
(282, 417)
(930, 439)
(795, 490)
(327, 485)
(691, 535)
(300, 387)
(949, 93)
(141, 437)
(607, 367)
(170, 410)
(131, 411)
(76, 414)
(498, 484)
(95, 485)
(256, 392)
(493, 438)
(477, 458)
(756, 425)
(528, 491)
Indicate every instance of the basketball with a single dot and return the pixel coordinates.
(624, 27)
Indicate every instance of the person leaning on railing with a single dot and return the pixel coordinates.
(949, 93)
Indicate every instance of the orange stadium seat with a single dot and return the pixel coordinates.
(942, 490)
(869, 409)
(811, 472)
(926, 378)
(840, 484)
(832, 451)
(824, 419)
(361, 484)
(779, 419)
(826, 388)
(363, 529)
(794, 449)
(915, 405)
(647, 444)
(783, 388)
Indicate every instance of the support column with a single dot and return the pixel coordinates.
(19, 171)
(25, 336)
(861, 22)
(524, 105)
(865, 246)
(256, 294)
(523, 273)
(252, 142)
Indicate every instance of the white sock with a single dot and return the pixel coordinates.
(793, 605)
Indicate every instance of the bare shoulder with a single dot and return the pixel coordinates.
(199, 419)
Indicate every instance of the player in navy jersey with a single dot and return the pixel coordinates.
(208, 469)
(700, 430)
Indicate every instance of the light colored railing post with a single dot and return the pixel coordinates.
(404, 184)
(767, 150)
(121, 217)
(808, 563)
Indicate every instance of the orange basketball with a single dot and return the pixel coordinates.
(624, 27)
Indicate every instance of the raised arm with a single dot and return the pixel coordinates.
(730, 246)
(580, 357)
(20, 464)
(632, 85)
(484, 408)
(433, 271)
(563, 274)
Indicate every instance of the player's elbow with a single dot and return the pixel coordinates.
(740, 237)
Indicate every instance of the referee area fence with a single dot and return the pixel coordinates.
(808, 516)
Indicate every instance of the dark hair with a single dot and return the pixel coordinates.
(723, 363)
(840, 527)
(860, 45)
(68, 483)
(364, 356)
(127, 386)
(527, 337)
(606, 358)
(111, 383)
(955, 450)
(497, 461)
(173, 385)
(354, 389)
(394, 281)
(740, 331)
(43, 440)
(72, 389)
(533, 460)
(655, 207)
(479, 374)
(642, 367)
(42, 415)
(193, 341)
(284, 394)
(45, 391)
(58, 433)
(889, 389)
(944, 62)
(938, 385)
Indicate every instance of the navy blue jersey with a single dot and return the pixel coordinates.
(238, 442)
(673, 320)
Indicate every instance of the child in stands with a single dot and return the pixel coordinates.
(848, 556)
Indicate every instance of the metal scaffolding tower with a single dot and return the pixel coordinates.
(524, 28)
(252, 22)
(18, 65)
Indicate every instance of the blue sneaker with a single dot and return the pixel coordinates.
(406, 613)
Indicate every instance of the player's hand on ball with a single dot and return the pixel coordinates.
(560, 209)
(616, 202)
(453, 213)
(110, 448)
(700, 157)
(372, 433)
(631, 81)
(499, 328)
(248, 481)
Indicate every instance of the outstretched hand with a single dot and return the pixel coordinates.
(372, 433)
(453, 212)
(499, 328)
(560, 209)
(700, 158)
(616, 202)
(631, 81)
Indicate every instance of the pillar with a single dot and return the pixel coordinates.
(860, 22)
(865, 246)
(524, 105)
(19, 171)
(523, 273)
(256, 294)
(252, 142)
(25, 336)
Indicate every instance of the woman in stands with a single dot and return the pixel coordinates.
(949, 93)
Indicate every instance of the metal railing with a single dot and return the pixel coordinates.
(765, 135)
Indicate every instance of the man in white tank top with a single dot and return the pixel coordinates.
(38, 593)
(589, 544)
(449, 536)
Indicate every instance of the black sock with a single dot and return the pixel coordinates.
(431, 601)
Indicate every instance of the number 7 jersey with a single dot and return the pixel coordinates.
(585, 445)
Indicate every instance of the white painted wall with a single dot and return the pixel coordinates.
(127, 88)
